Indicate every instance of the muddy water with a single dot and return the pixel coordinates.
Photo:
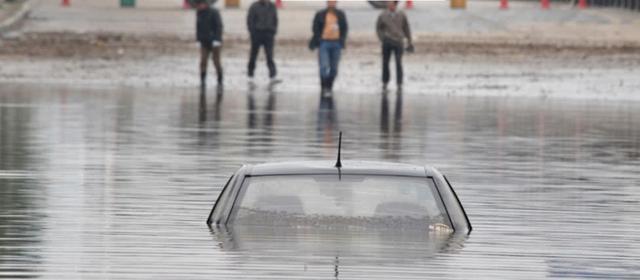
(117, 183)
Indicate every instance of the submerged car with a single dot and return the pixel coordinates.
(350, 194)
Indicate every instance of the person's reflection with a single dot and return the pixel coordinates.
(336, 267)
(202, 112)
(397, 117)
(259, 137)
(269, 110)
(217, 112)
(391, 138)
(208, 132)
(327, 120)
(384, 114)
(251, 112)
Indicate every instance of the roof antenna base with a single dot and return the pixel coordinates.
(339, 162)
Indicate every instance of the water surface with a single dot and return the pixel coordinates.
(117, 183)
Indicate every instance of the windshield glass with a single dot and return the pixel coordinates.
(352, 200)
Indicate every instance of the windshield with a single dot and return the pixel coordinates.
(352, 200)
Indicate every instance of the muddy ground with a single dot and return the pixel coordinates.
(128, 46)
(440, 65)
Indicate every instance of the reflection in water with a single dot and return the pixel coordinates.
(202, 115)
(203, 105)
(326, 122)
(259, 137)
(101, 183)
(209, 128)
(391, 138)
(20, 194)
(332, 252)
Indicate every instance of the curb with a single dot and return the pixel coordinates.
(16, 18)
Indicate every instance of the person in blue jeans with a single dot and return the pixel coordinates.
(329, 35)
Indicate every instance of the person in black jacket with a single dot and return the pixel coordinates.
(262, 22)
(393, 29)
(209, 33)
(329, 35)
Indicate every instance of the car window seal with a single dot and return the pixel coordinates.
(443, 202)
(459, 203)
(209, 220)
(235, 198)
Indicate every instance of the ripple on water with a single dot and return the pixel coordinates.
(114, 184)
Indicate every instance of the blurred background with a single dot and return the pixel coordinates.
(112, 155)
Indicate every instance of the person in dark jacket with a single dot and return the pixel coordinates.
(262, 22)
(330, 30)
(209, 30)
(393, 28)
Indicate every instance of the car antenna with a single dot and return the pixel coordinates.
(338, 162)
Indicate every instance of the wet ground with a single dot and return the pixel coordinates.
(116, 182)
(437, 68)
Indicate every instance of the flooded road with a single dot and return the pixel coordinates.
(117, 183)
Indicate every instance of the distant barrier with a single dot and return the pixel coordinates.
(633, 5)
(624, 4)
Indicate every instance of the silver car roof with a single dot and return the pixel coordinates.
(348, 167)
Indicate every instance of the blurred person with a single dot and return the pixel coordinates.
(392, 28)
(329, 35)
(209, 30)
(262, 22)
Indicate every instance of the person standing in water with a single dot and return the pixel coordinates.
(392, 28)
(330, 30)
(262, 22)
(209, 30)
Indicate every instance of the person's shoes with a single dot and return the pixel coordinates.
(384, 86)
(220, 80)
(330, 83)
(274, 80)
(399, 86)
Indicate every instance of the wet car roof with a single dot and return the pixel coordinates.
(348, 167)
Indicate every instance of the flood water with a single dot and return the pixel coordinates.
(117, 183)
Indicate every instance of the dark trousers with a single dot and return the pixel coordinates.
(206, 50)
(387, 49)
(265, 40)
